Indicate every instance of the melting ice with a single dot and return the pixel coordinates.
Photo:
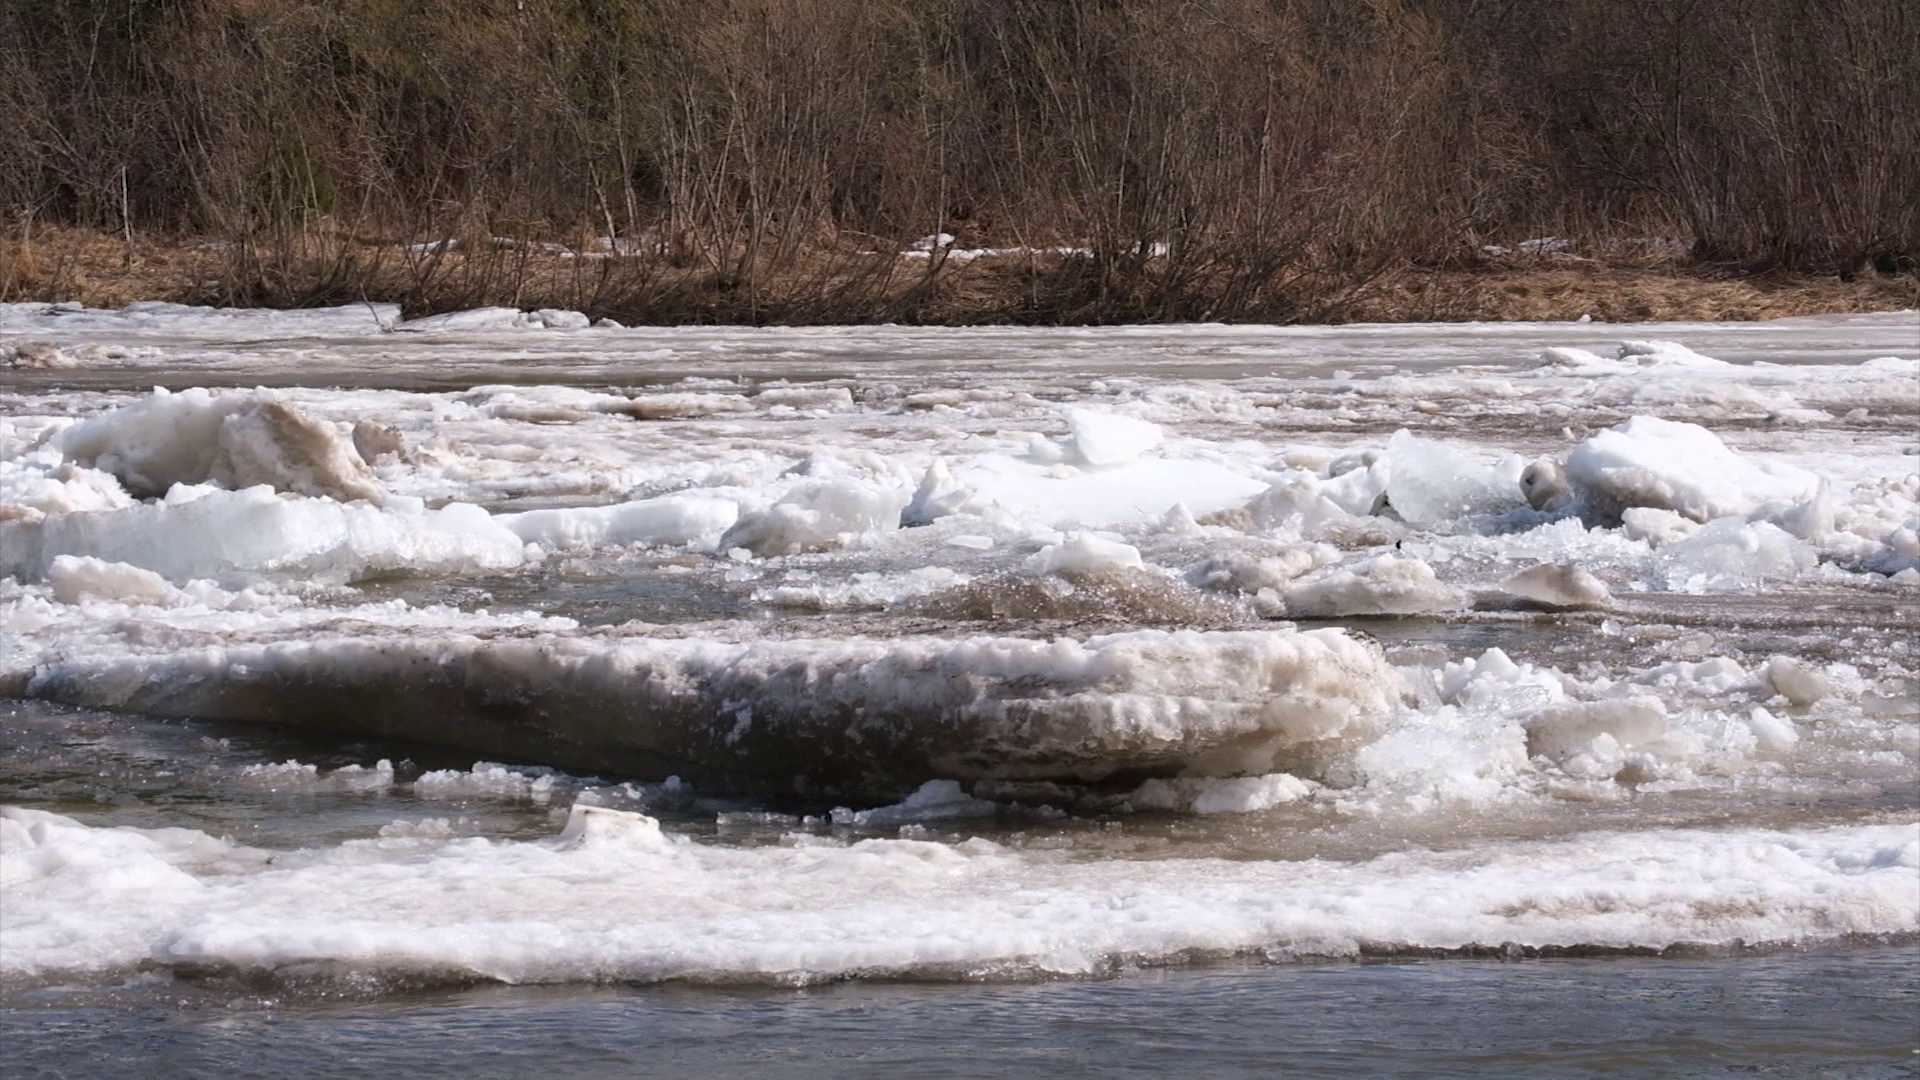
(953, 654)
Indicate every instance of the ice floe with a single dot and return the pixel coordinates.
(613, 897)
(845, 713)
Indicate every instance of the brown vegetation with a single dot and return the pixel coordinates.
(103, 270)
(765, 160)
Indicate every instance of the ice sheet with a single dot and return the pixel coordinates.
(208, 533)
(858, 715)
(613, 898)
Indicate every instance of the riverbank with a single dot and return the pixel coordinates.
(648, 282)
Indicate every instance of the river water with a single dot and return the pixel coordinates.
(968, 703)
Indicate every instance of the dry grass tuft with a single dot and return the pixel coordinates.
(101, 270)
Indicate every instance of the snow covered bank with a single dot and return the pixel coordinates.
(159, 316)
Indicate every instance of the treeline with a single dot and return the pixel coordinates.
(1214, 158)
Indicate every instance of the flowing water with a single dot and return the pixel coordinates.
(844, 702)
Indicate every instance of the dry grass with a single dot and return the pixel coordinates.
(828, 286)
(1547, 292)
(102, 270)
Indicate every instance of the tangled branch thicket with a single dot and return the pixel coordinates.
(763, 160)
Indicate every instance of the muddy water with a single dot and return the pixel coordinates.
(1836, 1013)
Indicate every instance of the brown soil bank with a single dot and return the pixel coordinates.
(852, 287)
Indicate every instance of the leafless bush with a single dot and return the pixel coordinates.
(762, 160)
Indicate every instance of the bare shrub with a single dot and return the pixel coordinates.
(766, 160)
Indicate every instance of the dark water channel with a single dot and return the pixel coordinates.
(1844, 1013)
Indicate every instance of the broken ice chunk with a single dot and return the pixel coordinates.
(1556, 585)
